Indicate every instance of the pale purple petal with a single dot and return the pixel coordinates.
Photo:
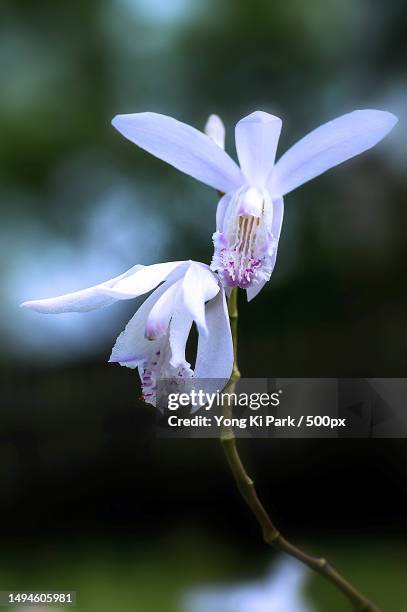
(85, 300)
(253, 290)
(256, 144)
(221, 210)
(182, 146)
(146, 279)
(329, 145)
(180, 328)
(132, 348)
(215, 349)
(199, 285)
(215, 129)
(276, 225)
(160, 315)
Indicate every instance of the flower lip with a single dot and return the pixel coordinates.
(155, 329)
(136, 358)
(245, 243)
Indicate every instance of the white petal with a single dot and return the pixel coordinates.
(162, 311)
(182, 146)
(85, 300)
(253, 290)
(329, 145)
(276, 224)
(180, 328)
(221, 210)
(132, 347)
(199, 285)
(256, 144)
(215, 129)
(146, 279)
(215, 350)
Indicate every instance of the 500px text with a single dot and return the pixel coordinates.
(256, 421)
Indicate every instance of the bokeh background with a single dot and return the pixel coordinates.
(90, 499)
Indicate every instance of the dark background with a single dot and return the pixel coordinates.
(90, 499)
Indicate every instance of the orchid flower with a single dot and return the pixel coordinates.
(155, 338)
(281, 591)
(250, 213)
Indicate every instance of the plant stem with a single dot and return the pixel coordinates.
(247, 490)
(233, 316)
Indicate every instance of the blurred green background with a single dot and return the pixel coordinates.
(90, 499)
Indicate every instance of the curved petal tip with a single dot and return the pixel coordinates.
(260, 116)
(384, 119)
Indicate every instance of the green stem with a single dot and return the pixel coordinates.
(247, 490)
(233, 316)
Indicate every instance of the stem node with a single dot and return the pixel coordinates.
(271, 536)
